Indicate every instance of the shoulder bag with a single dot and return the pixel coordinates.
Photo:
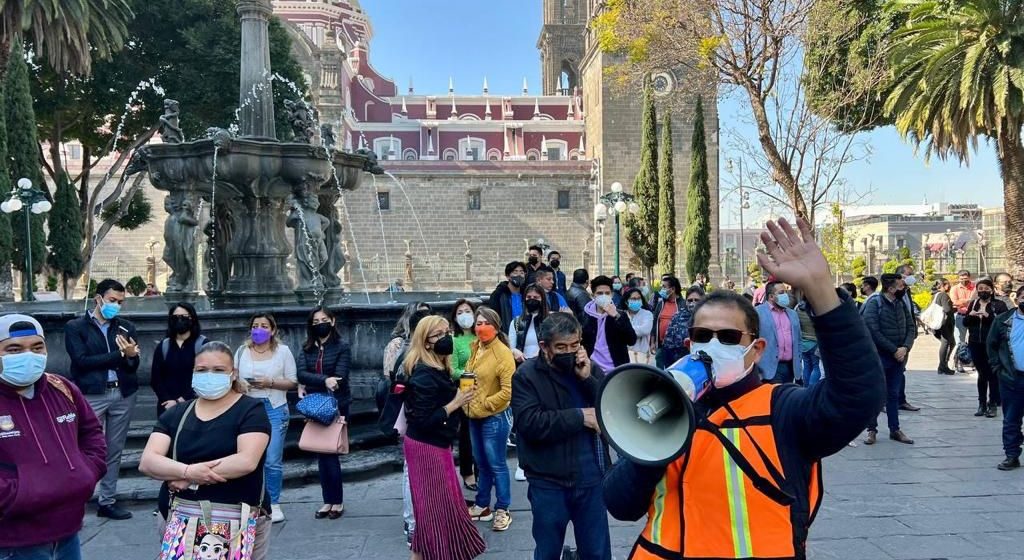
(933, 316)
(331, 439)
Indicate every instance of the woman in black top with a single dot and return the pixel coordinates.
(174, 357)
(324, 368)
(945, 332)
(980, 314)
(443, 527)
(218, 456)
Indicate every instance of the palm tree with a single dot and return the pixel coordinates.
(959, 72)
(69, 32)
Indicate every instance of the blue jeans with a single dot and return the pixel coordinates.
(812, 367)
(274, 465)
(554, 507)
(490, 437)
(1012, 395)
(67, 549)
(894, 379)
(784, 373)
(329, 466)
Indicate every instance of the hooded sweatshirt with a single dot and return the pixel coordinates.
(607, 338)
(52, 453)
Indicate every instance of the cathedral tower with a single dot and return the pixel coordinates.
(561, 44)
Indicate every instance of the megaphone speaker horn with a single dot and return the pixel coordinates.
(647, 413)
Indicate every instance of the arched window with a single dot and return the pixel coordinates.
(493, 154)
(450, 154)
(557, 150)
(532, 154)
(409, 154)
(472, 149)
(387, 147)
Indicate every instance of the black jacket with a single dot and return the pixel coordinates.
(92, 355)
(891, 324)
(333, 359)
(618, 332)
(501, 302)
(808, 424)
(547, 422)
(522, 327)
(427, 392)
(979, 327)
(578, 299)
(1000, 355)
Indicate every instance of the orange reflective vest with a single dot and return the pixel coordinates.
(727, 497)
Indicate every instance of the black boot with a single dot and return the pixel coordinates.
(981, 410)
(991, 412)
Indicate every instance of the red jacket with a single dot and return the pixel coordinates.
(52, 453)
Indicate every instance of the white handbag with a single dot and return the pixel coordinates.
(933, 316)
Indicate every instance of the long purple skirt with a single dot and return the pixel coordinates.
(444, 530)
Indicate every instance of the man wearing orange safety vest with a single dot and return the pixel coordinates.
(750, 484)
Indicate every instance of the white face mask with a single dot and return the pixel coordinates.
(602, 300)
(727, 366)
(465, 320)
(910, 280)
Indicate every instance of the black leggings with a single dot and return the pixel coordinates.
(947, 345)
(466, 465)
(987, 380)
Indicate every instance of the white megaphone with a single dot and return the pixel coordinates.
(647, 413)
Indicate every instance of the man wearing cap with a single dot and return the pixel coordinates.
(104, 359)
(52, 450)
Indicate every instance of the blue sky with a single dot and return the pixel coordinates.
(430, 40)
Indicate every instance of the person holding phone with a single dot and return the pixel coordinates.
(268, 367)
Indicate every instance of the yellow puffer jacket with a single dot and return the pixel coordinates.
(493, 365)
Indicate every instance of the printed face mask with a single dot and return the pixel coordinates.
(727, 361)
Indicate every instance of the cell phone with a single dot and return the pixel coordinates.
(122, 329)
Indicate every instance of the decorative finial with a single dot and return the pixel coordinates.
(543, 147)
(485, 85)
(582, 150)
(451, 85)
(526, 90)
(570, 114)
(410, 85)
(405, 110)
(536, 108)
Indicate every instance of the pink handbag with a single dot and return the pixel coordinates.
(331, 439)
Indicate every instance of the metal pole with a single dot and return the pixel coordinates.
(616, 267)
(27, 291)
(743, 269)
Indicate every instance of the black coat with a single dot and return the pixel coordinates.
(618, 332)
(1000, 355)
(501, 302)
(547, 423)
(334, 359)
(578, 299)
(427, 392)
(978, 327)
(92, 355)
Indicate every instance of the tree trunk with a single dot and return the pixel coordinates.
(1011, 167)
(781, 173)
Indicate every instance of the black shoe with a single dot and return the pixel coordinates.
(945, 370)
(901, 437)
(1009, 464)
(909, 407)
(114, 511)
(981, 410)
(991, 412)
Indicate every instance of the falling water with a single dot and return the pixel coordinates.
(348, 218)
(249, 99)
(314, 262)
(383, 238)
(415, 216)
(213, 228)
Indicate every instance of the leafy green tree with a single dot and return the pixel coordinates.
(859, 266)
(754, 271)
(833, 242)
(890, 266)
(666, 201)
(697, 242)
(65, 256)
(6, 245)
(23, 158)
(136, 285)
(905, 254)
(929, 270)
(642, 228)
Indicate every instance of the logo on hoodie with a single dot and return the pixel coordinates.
(66, 418)
(7, 427)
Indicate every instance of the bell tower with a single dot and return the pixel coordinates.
(561, 45)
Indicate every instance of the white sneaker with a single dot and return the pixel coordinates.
(520, 474)
(276, 515)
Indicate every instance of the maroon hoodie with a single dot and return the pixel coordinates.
(52, 453)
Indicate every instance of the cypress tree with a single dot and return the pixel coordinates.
(666, 202)
(697, 242)
(65, 256)
(642, 229)
(6, 284)
(23, 157)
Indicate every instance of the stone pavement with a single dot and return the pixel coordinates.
(941, 498)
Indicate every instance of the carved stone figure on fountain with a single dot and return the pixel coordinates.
(327, 138)
(335, 249)
(138, 162)
(310, 238)
(180, 242)
(302, 118)
(170, 132)
(220, 233)
(221, 137)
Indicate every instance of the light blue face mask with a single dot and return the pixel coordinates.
(23, 369)
(211, 385)
(782, 300)
(635, 305)
(663, 293)
(109, 310)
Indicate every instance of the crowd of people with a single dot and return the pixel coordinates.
(799, 367)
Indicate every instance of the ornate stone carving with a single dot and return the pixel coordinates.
(310, 235)
(302, 118)
(179, 242)
(170, 132)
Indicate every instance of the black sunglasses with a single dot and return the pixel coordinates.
(729, 337)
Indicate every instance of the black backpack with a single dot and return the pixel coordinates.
(165, 345)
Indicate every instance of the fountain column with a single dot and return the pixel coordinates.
(255, 96)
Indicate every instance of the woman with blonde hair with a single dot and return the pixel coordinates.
(493, 364)
(444, 530)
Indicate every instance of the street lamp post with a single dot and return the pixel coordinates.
(615, 203)
(32, 201)
(744, 204)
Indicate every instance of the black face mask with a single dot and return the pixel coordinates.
(444, 346)
(181, 325)
(556, 263)
(517, 281)
(984, 296)
(564, 363)
(899, 294)
(532, 305)
(864, 292)
(322, 330)
(533, 260)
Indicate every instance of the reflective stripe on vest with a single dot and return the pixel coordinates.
(706, 506)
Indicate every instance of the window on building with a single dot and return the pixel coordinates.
(474, 200)
(531, 157)
(76, 151)
(384, 200)
(563, 200)
(387, 147)
(554, 154)
(472, 149)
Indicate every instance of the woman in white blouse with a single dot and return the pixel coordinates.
(643, 323)
(269, 367)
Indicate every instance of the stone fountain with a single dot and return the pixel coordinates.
(254, 187)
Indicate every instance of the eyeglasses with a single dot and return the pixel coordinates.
(729, 337)
(695, 300)
(437, 336)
